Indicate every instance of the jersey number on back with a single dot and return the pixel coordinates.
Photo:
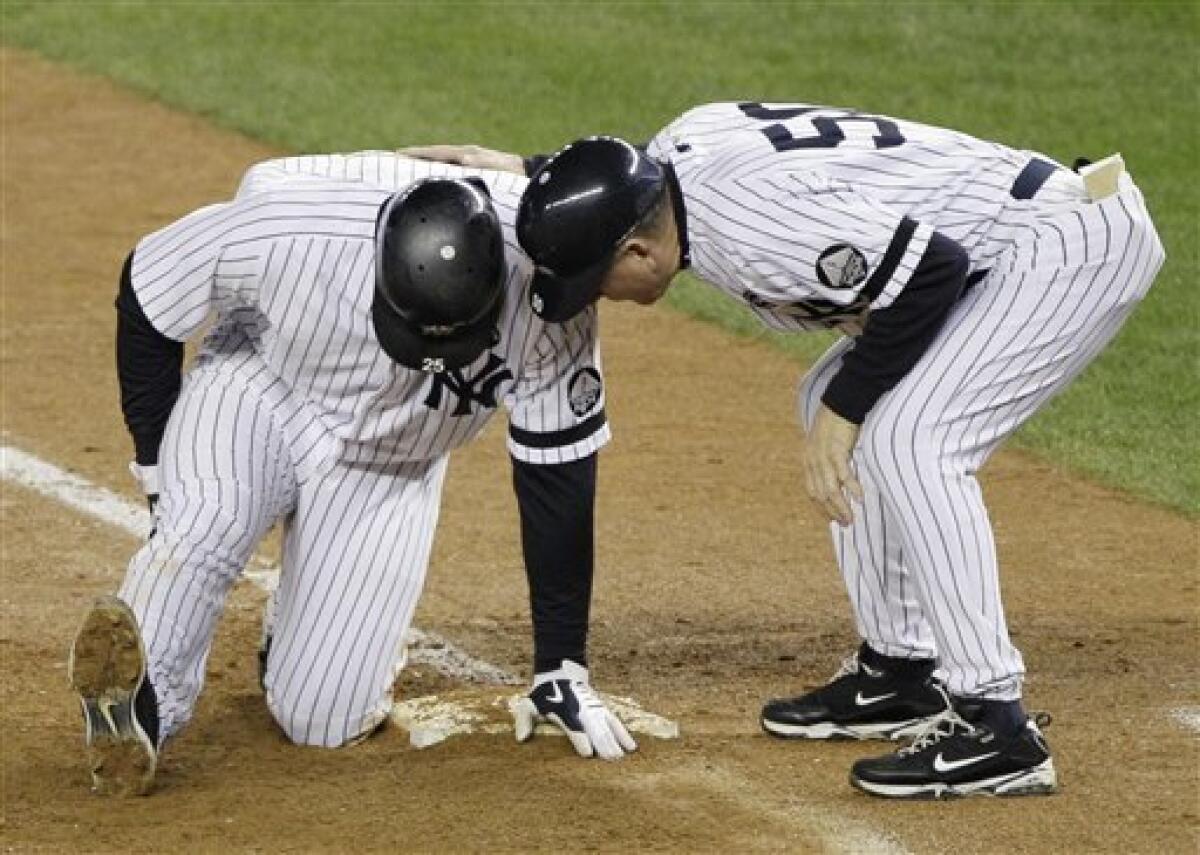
(828, 128)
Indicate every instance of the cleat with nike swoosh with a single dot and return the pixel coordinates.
(107, 669)
(859, 702)
(954, 757)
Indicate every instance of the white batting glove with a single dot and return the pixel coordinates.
(148, 480)
(564, 697)
(147, 477)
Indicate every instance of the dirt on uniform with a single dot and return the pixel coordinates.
(715, 589)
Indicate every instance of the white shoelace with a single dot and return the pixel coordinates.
(852, 665)
(942, 726)
(849, 666)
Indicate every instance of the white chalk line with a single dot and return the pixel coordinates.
(1189, 717)
(837, 833)
(427, 720)
(73, 491)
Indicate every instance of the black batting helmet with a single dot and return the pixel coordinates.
(578, 208)
(439, 274)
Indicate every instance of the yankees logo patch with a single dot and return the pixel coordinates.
(841, 266)
(583, 392)
(480, 389)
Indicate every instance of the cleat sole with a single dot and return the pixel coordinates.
(1040, 780)
(893, 731)
(107, 666)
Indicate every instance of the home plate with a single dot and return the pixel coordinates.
(435, 718)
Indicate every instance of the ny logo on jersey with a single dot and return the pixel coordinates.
(481, 388)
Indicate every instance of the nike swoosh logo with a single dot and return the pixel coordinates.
(556, 697)
(940, 764)
(865, 701)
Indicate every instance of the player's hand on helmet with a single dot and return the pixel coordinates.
(565, 698)
(828, 475)
(470, 156)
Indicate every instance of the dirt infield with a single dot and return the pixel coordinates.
(715, 589)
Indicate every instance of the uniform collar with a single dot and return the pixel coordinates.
(685, 250)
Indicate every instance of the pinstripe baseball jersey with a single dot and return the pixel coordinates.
(289, 267)
(293, 413)
(812, 214)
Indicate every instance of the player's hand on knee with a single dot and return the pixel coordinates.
(470, 156)
(829, 478)
(565, 698)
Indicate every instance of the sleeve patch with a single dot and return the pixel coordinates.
(842, 266)
(584, 390)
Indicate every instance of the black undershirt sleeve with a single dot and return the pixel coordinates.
(894, 338)
(148, 368)
(557, 507)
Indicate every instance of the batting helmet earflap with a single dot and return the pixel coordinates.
(578, 208)
(439, 274)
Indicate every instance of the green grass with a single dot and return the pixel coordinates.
(1063, 78)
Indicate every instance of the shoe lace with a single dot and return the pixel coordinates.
(849, 666)
(852, 665)
(944, 725)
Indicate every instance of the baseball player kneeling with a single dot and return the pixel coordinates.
(364, 328)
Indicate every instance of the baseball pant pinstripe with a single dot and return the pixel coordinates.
(357, 540)
(919, 561)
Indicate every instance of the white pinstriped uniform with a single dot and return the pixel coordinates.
(293, 413)
(769, 188)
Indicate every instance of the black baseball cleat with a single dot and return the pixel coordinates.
(860, 702)
(107, 669)
(954, 757)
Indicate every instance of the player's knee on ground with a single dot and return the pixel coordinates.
(326, 722)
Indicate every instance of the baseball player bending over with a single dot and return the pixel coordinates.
(361, 335)
(974, 282)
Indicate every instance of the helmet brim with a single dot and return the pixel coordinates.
(557, 298)
(404, 342)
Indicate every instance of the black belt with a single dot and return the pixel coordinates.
(1031, 178)
(1026, 185)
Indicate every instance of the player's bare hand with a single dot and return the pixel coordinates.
(829, 477)
(564, 697)
(471, 156)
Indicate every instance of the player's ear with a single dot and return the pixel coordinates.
(637, 248)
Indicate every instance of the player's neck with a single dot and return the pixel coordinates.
(676, 225)
(672, 242)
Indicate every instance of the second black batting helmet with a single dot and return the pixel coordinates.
(439, 274)
(578, 208)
